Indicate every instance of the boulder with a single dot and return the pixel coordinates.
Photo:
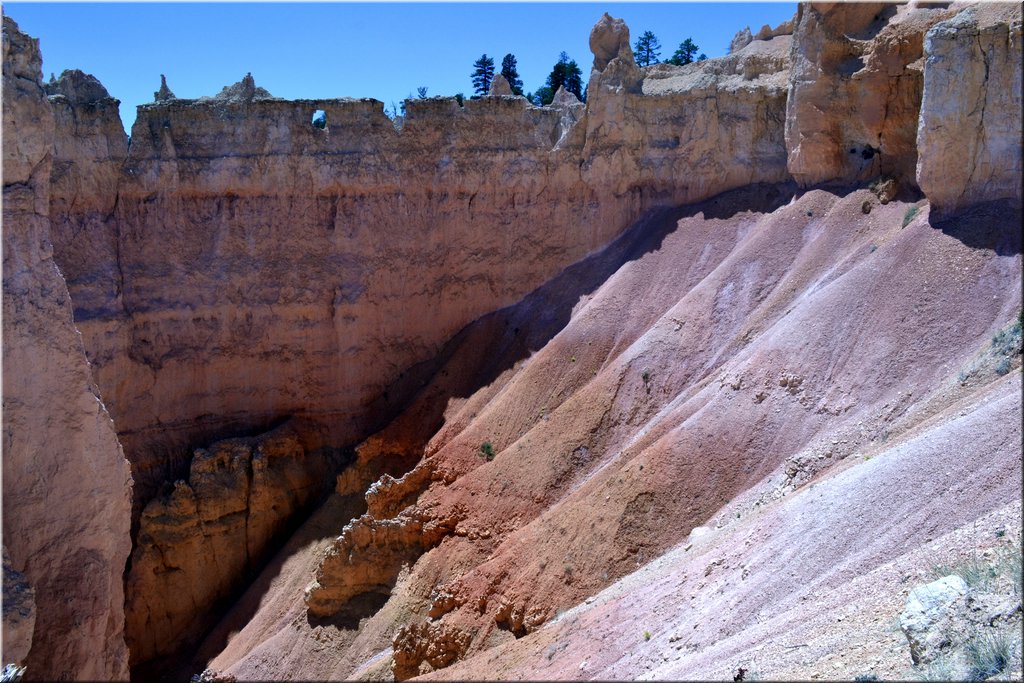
(928, 614)
(740, 40)
(564, 98)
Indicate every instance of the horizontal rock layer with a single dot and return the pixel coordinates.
(245, 265)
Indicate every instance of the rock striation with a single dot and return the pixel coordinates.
(238, 246)
(67, 485)
(198, 544)
(238, 265)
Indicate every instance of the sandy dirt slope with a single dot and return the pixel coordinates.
(808, 587)
(715, 371)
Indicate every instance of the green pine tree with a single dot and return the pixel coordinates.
(566, 73)
(511, 74)
(483, 74)
(685, 53)
(647, 49)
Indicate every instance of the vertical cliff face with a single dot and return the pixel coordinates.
(925, 94)
(67, 485)
(855, 92)
(969, 135)
(237, 265)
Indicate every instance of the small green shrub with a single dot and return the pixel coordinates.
(988, 653)
(1011, 564)
(487, 451)
(647, 635)
(975, 572)
(909, 214)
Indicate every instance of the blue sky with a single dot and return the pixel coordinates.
(323, 50)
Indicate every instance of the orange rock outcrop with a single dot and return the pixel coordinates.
(199, 543)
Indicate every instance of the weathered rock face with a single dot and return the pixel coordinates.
(740, 40)
(925, 619)
(199, 544)
(969, 138)
(681, 121)
(89, 149)
(424, 647)
(618, 121)
(249, 248)
(500, 87)
(66, 483)
(855, 91)
(609, 39)
(371, 551)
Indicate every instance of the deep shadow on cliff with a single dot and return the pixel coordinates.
(474, 358)
(993, 226)
(497, 341)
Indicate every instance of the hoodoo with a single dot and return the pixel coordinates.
(715, 368)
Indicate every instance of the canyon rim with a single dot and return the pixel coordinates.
(715, 374)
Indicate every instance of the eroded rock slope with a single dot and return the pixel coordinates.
(576, 336)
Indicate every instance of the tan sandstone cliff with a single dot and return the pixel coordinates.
(67, 485)
(969, 137)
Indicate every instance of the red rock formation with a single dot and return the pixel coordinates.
(255, 266)
(303, 272)
(67, 485)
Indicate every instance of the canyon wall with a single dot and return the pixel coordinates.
(443, 503)
(67, 485)
(926, 94)
(235, 266)
(257, 266)
(209, 535)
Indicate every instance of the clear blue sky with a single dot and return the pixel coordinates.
(324, 50)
